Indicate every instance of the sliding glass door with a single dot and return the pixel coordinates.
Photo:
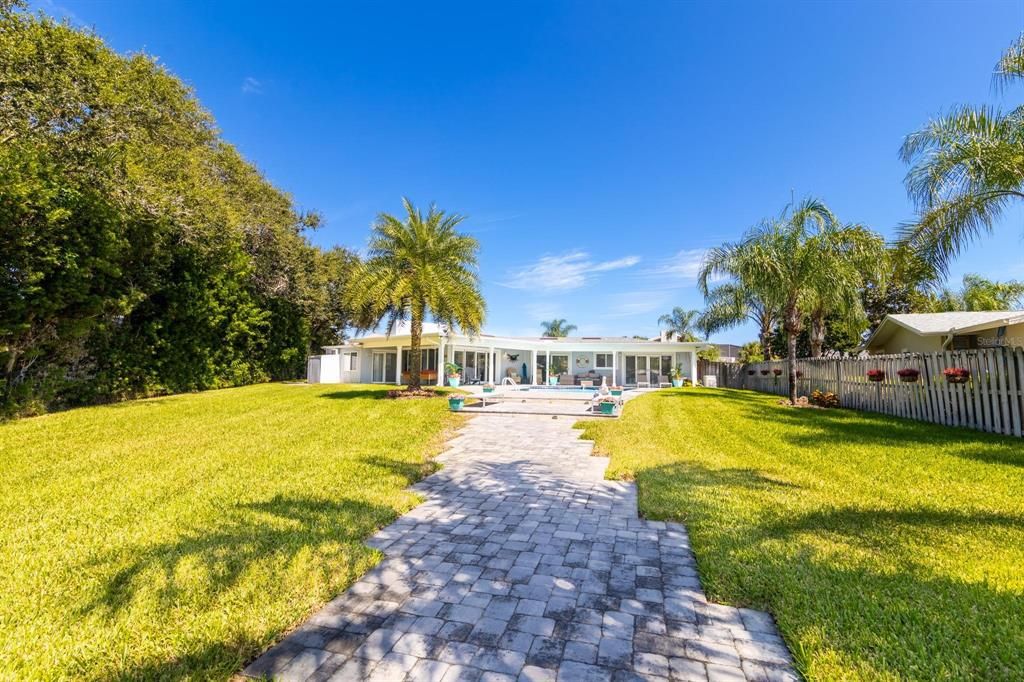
(384, 366)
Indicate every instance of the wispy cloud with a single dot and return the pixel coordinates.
(572, 270)
(251, 86)
(630, 303)
(683, 266)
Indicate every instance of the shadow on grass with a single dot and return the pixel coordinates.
(911, 621)
(818, 427)
(357, 393)
(253, 531)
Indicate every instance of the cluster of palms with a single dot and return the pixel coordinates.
(806, 268)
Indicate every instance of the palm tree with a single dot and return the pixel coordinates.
(796, 263)
(966, 168)
(682, 323)
(557, 328)
(417, 266)
(856, 254)
(732, 304)
(979, 293)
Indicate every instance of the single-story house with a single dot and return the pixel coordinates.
(934, 332)
(384, 359)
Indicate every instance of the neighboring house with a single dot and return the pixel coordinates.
(384, 359)
(933, 332)
(728, 352)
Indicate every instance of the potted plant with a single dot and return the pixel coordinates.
(677, 376)
(616, 390)
(552, 380)
(908, 375)
(777, 372)
(452, 371)
(876, 375)
(765, 372)
(455, 402)
(607, 405)
(957, 375)
(488, 387)
(750, 372)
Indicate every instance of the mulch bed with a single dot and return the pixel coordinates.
(402, 393)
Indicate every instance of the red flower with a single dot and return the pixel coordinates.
(876, 375)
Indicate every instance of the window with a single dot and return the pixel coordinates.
(603, 361)
(428, 359)
(350, 362)
(559, 364)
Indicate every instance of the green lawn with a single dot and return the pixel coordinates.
(886, 549)
(177, 537)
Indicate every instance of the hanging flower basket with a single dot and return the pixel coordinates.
(777, 372)
(876, 375)
(750, 372)
(909, 375)
(799, 374)
(957, 375)
(765, 372)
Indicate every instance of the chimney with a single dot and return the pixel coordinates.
(663, 335)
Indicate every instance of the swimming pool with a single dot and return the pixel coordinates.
(570, 392)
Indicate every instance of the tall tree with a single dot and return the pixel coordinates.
(141, 253)
(732, 304)
(854, 254)
(966, 168)
(418, 265)
(557, 328)
(682, 323)
(789, 261)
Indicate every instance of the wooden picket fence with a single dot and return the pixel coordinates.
(992, 400)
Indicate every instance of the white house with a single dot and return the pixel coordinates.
(626, 361)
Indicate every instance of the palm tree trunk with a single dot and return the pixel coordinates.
(415, 354)
(792, 329)
(764, 337)
(817, 333)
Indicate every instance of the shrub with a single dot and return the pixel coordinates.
(824, 399)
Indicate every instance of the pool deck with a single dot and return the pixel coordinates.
(574, 403)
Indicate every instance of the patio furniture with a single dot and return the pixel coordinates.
(664, 381)
(512, 374)
(586, 383)
(469, 376)
(643, 379)
(566, 379)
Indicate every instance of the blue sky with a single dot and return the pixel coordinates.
(598, 148)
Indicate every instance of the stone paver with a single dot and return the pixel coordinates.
(523, 563)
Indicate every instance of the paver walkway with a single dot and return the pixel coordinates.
(525, 564)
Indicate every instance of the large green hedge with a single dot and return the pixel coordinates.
(140, 253)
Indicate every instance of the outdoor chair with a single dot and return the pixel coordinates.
(566, 379)
(643, 379)
(664, 381)
(513, 375)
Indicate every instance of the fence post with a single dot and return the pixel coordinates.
(839, 380)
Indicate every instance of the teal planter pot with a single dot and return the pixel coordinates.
(488, 389)
(453, 382)
(607, 408)
(676, 383)
(552, 381)
(456, 404)
(616, 391)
